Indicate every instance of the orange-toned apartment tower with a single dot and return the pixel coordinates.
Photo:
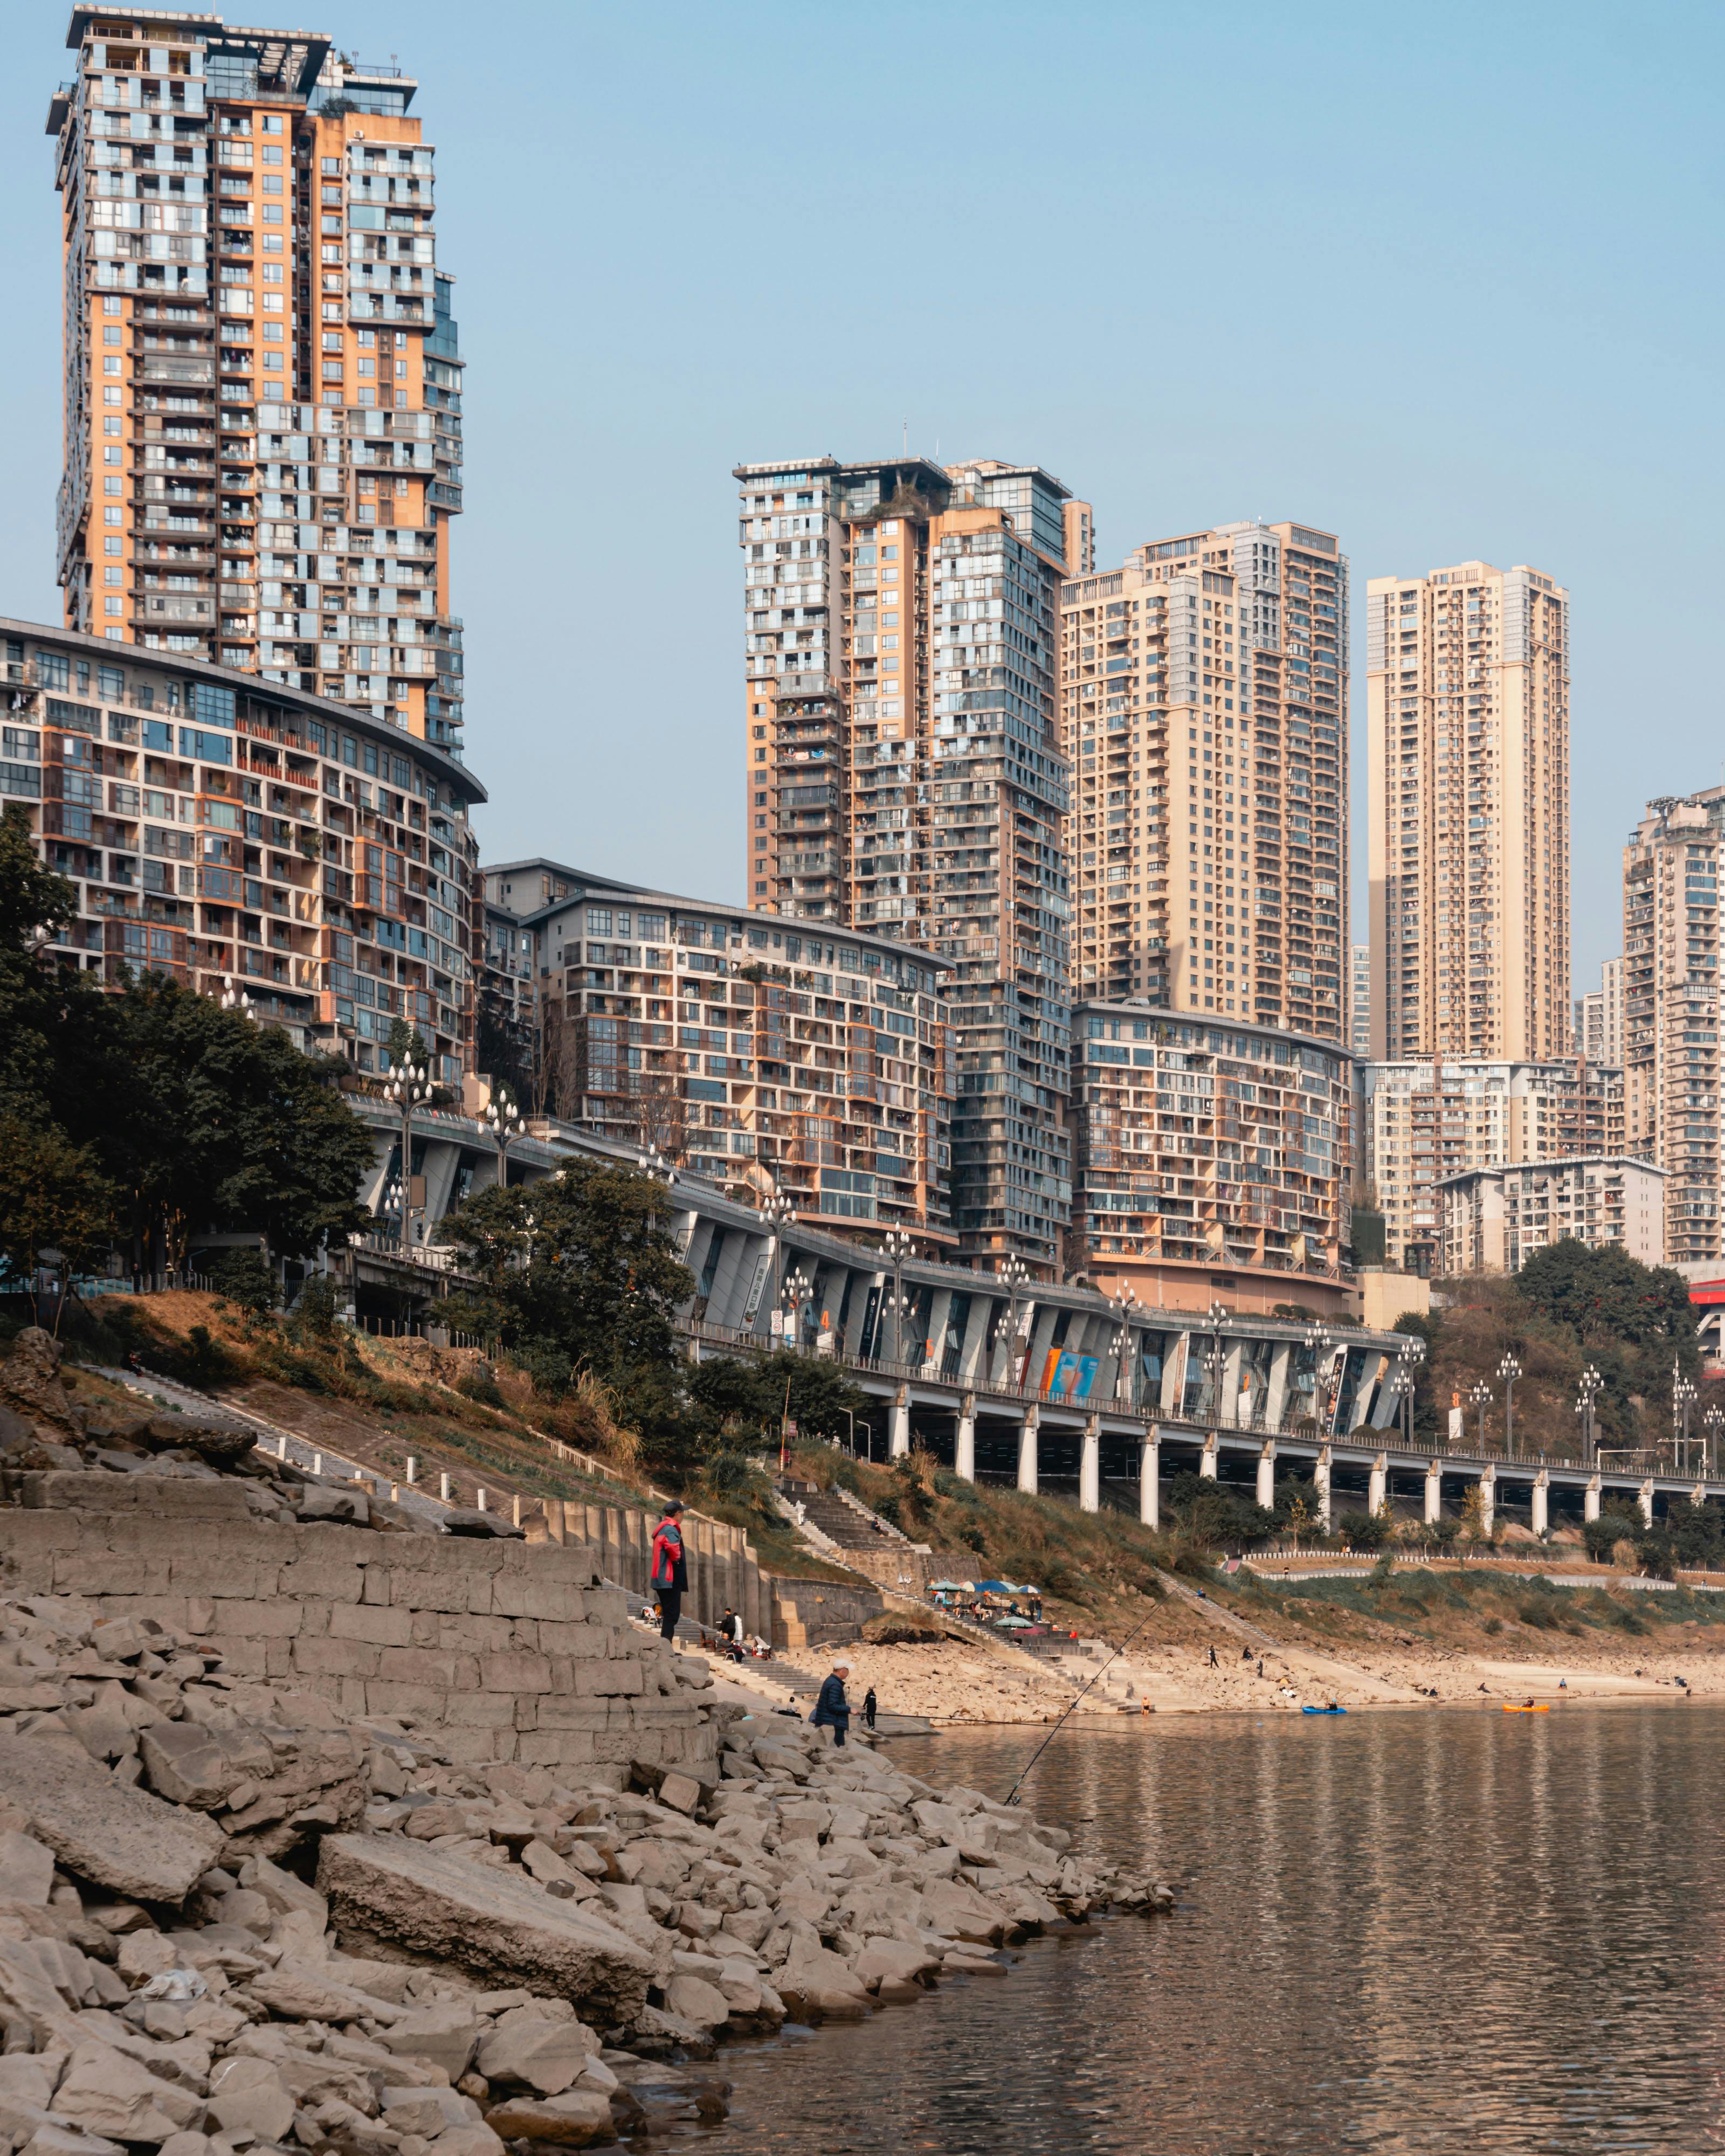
(263, 432)
(903, 774)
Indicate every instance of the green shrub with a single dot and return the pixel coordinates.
(478, 1384)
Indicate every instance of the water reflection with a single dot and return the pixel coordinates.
(1451, 1931)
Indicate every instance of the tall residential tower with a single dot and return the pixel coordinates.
(903, 777)
(1670, 1013)
(1467, 700)
(262, 399)
(1204, 715)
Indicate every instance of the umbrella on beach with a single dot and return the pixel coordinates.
(947, 1586)
(994, 1587)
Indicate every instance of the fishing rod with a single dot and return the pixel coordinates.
(1013, 1797)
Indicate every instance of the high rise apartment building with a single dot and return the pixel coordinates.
(1359, 999)
(1426, 1120)
(1203, 711)
(1467, 700)
(262, 387)
(903, 777)
(1670, 1005)
(1599, 1017)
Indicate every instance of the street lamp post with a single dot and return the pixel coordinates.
(1123, 1306)
(1216, 1360)
(405, 1088)
(797, 1288)
(778, 1212)
(1509, 1369)
(1682, 1401)
(1401, 1391)
(1015, 1277)
(503, 1119)
(1712, 1422)
(1319, 1340)
(1482, 1398)
(898, 1247)
(1587, 1391)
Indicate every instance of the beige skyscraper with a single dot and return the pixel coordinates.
(1670, 1007)
(1467, 701)
(1204, 712)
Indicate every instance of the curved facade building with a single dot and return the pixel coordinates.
(1215, 1161)
(231, 831)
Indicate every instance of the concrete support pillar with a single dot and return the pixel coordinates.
(1320, 1480)
(1378, 1490)
(964, 1442)
(1488, 1499)
(1434, 1492)
(898, 1444)
(1028, 1429)
(1150, 1478)
(1089, 1468)
(1266, 1475)
(1207, 1459)
(1542, 1502)
(1644, 1499)
(1590, 1499)
(1698, 1495)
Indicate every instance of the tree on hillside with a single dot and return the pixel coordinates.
(206, 1119)
(53, 1197)
(198, 1117)
(746, 1395)
(583, 1264)
(1605, 1295)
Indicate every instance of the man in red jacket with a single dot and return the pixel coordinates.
(669, 1574)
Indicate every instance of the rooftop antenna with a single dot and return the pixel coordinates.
(908, 438)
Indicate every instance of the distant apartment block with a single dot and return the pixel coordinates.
(765, 1052)
(235, 833)
(1671, 1004)
(903, 778)
(1204, 712)
(1425, 1120)
(1467, 696)
(1496, 1218)
(1359, 999)
(1215, 1161)
(1599, 1017)
(262, 404)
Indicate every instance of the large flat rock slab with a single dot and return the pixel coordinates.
(120, 1837)
(433, 1902)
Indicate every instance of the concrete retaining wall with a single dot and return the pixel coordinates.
(723, 1572)
(812, 1613)
(505, 1649)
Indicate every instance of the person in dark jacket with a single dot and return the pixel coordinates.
(869, 1706)
(670, 1575)
(832, 1710)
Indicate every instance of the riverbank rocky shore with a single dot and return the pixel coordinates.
(319, 1838)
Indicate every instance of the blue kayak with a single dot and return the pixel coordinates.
(1323, 1710)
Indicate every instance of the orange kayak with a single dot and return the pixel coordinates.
(1543, 1709)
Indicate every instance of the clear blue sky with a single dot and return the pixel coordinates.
(1445, 280)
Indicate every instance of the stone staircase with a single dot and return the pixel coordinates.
(845, 1523)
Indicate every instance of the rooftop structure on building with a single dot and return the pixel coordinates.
(262, 383)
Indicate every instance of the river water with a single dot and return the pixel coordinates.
(1447, 1930)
